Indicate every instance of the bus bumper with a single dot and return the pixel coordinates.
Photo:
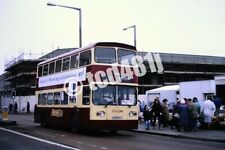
(114, 124)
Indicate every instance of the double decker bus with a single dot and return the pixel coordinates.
(86, 89)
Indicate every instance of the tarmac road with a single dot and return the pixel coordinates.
(10, 140)
(102, 140)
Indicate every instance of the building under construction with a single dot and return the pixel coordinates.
(18, 82)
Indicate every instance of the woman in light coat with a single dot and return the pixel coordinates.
(208, 110)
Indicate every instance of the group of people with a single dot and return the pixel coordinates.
(156, 111)
(186, 113)
(13, 108)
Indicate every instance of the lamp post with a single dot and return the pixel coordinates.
(80, 19)
(134, 27)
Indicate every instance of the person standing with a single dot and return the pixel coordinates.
(28, 107)
(146, 115)
(218, 103)
(157, 112)
(184, 119)
(208, 110)
(165, 113)
(175, 115)
(194, 111)
(15, 108)
(10, 107)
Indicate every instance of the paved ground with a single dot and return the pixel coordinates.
(205, 135)
(102, 140)
(201, 134)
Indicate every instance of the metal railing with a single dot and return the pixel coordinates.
(23, 56)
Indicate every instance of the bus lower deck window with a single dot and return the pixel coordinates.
(86, 95)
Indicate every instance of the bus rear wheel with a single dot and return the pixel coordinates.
(74, 125)
(43, 123)
(113, 131)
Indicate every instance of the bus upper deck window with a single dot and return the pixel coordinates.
(105, 55)
(66, 63)
(125, 56)
(40, 70)
(74, 61)
(51, 67)
(45, 70)
(85, 58)
(58, 66)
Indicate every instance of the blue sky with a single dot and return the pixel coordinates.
(177, 26)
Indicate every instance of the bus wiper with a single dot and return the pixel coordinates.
(106, 105)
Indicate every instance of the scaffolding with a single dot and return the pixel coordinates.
(23, 56)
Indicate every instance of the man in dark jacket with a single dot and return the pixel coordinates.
(15, 107)
(157, 112)
(194, 111)
(28, 107)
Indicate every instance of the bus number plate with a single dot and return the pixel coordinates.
(117, 117)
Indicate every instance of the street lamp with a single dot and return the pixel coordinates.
(134, 26)
(80, 19)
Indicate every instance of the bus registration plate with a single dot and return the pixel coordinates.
(117, 118)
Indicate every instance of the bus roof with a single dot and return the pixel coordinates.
(107, 44)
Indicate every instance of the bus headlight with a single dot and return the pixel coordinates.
(100, 113)
(132, 113)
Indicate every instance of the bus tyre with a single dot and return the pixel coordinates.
(43, 123)
(113, 131)
(74, 125)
